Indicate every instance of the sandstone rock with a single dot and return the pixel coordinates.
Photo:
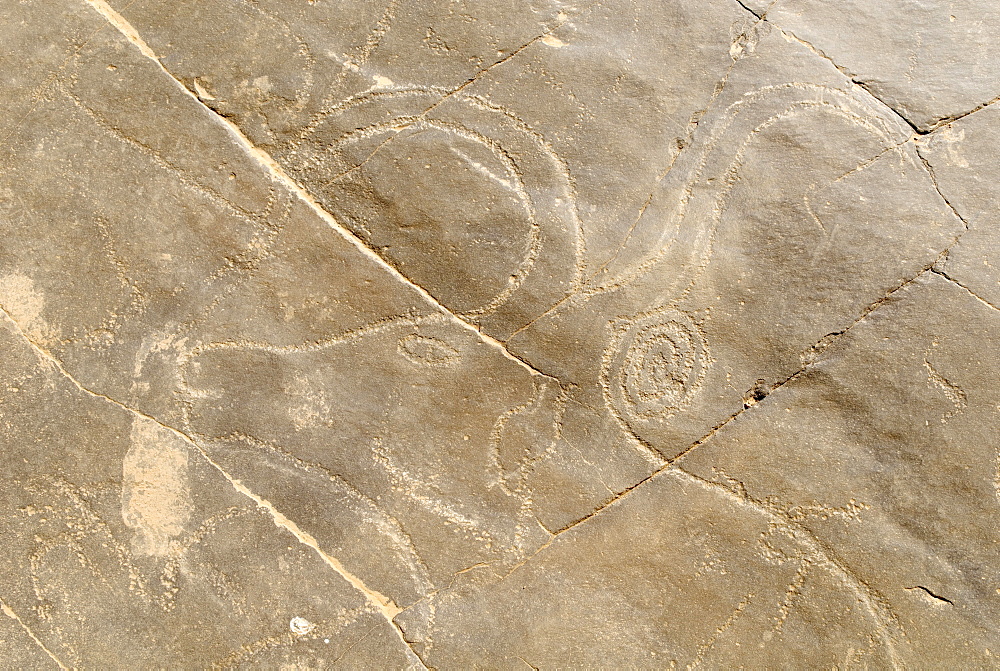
(498, 334)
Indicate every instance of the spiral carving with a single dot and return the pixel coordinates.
(653, 366)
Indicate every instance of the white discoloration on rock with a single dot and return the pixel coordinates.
(300, 626)
(155, 498)
(22, 300)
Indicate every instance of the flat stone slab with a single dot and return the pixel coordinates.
(498, 334)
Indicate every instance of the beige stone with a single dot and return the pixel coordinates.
(498, 334)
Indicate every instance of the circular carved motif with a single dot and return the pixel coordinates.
(502, 224)
(653, 366)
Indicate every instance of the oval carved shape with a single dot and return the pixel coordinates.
(427, 351)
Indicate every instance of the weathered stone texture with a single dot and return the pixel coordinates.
(479, 333)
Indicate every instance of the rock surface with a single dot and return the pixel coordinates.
(499, 334)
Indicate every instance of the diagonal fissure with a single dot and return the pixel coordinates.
(378, 601)
(278, 175)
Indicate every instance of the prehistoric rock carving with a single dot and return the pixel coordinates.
(653, 366)
(521, 237)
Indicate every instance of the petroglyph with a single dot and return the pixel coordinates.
(427, 351)
(498, 334)
(340, 155)
(653, 366)
(954, 393)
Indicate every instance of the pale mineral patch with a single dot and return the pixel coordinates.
(25, 304)
(155, 495)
